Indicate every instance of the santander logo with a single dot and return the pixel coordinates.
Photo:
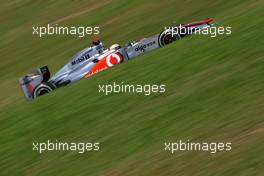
(113, 59)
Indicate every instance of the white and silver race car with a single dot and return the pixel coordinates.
(96, 58)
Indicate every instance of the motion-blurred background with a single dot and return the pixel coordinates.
(214, 90)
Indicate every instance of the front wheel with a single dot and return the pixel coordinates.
(168, 36)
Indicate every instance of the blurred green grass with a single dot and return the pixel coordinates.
(214, 90)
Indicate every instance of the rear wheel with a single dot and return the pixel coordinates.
(42, 89)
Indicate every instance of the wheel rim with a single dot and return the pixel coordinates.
(42, 92)
(169, 39)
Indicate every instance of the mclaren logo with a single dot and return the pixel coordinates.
(143, 47)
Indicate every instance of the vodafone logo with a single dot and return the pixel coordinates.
(106, 62)
(113, 59)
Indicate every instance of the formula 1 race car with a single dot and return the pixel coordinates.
(96, 58)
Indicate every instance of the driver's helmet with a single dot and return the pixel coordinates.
(96, 41)
(115, 47)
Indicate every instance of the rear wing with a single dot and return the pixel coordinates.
(29, 82)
